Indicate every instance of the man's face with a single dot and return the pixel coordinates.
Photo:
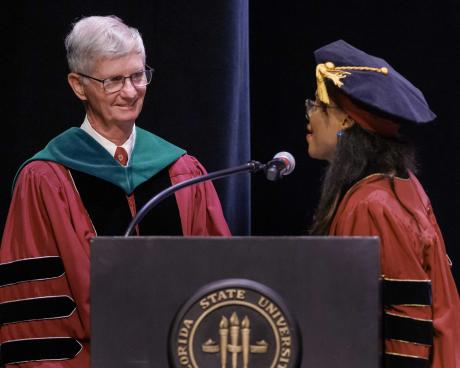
(117, 108)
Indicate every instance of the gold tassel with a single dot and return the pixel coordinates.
(335, 74)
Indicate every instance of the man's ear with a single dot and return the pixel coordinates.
(347, 122)
(77, 85)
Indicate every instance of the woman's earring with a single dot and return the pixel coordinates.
(340, 133)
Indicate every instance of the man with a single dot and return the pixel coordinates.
(89, 181)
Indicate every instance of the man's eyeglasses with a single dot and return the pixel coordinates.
(115, 84)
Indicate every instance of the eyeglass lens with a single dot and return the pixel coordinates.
(139, 79)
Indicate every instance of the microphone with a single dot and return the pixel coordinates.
(282, 164)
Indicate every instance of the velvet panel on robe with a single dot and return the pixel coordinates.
(412, 248)
(47, 219)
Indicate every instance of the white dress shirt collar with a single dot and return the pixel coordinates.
(108, 145)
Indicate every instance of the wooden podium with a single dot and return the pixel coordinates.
(235, 302)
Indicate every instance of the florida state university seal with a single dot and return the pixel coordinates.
(234, 323)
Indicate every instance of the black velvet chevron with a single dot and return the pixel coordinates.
(36, 309)
(396, 292)
(30, 270)
(399, 361)
(39, 349)
(408, 329)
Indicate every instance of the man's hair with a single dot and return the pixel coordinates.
(97, 37)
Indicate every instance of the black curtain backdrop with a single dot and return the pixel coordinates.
(419, 38)
(207, 55)
(198, 99)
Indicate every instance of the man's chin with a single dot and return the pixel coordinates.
(126, 116)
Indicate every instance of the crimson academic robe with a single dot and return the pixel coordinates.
(44, 256)
(413, 258)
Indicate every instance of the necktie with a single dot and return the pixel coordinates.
(122, 157)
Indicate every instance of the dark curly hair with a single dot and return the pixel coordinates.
(359, 153)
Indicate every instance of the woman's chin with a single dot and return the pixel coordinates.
(311, 152)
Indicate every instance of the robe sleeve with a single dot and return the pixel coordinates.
(402, 249)
(411, 249)
(199, 205)
(47, 219)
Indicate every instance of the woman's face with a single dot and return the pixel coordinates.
(323, 123)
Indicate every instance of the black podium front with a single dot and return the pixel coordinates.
(235, 302)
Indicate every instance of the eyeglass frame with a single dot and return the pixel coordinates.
(149, 69)
(310, 104)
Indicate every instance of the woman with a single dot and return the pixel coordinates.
(370, 189)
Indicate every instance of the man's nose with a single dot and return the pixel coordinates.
(128, 87)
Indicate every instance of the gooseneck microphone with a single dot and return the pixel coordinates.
(277, 170)
(282, 164)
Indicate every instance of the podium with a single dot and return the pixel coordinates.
(235, 302)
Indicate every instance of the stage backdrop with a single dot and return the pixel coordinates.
(421, 40)
(198, 98)
(208, 54)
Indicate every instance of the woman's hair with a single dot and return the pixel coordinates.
(96, 37)
(359, 153)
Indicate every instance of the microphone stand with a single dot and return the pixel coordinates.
(251, 166)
